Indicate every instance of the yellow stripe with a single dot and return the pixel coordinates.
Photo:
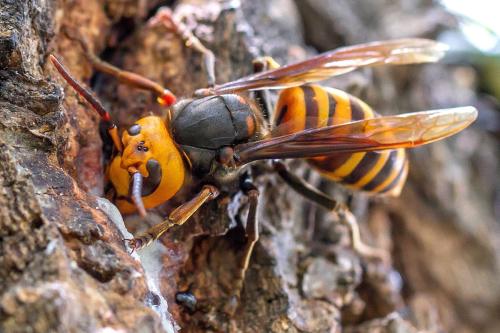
(396, 190)
(384, 155)
(398, 164)
(322, 100)
(343, 108)
(345, 169)
(328, 175)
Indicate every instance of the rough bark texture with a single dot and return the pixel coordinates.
(64, 267)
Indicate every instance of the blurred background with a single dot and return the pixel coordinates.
(444, 229)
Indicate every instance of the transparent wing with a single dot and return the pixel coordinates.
(340, 61)
(388, 132)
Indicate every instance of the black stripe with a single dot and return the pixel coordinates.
(395, 181)
(363, 167)
(356, 110)
(332, 107)
(311, 107)
(282, 114)
(383, 173)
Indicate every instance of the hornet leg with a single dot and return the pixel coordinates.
(304, 188)
(347, 218)
(173, 23)
(252, 235)
(323, 200)
(177, 217)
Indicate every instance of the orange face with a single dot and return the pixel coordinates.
(148, 148)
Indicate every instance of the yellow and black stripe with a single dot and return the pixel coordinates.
(313, 106)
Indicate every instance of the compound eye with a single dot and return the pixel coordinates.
(134, 130)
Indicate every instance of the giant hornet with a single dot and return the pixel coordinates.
(217, 135)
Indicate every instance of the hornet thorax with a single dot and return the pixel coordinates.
(203, 128)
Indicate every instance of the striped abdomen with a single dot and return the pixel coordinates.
(314, 106)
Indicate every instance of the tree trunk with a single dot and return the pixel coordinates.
(65, 268)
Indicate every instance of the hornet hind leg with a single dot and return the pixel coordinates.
(346, 217)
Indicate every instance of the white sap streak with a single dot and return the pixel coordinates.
(152, 264)
(150, 259)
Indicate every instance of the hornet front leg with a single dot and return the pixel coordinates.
(178, 216)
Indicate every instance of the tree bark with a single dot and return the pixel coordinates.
(64, 266)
